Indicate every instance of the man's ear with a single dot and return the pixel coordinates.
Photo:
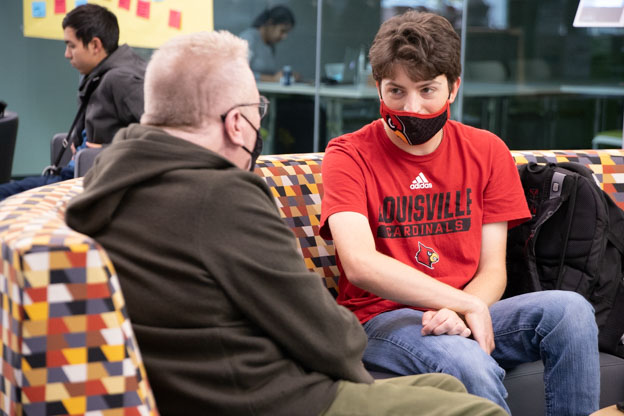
(233, 128)
(454, 90)
(95, 45)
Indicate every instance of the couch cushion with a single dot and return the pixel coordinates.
(296, 183)
(68, 346)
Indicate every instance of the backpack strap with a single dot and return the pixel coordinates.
(569, 216)
(536, 181)
(55, 169)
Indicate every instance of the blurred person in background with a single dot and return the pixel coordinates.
(268, 29)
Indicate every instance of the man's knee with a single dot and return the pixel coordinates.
(440, 381)
(446, 382)
(576, 304)
(566, 306)
(429, 394)
(485, 371)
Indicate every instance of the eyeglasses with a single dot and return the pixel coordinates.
(263, 107)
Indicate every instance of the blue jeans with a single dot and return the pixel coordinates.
(12, 188)
(557, 327)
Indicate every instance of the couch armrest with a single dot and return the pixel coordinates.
(69, 346)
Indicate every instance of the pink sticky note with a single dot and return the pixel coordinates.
(124, 4)
(143, 9)
(59, 7)
(175, 19)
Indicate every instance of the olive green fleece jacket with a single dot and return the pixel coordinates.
(228, 319)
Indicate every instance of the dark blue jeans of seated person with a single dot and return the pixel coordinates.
(15, 187)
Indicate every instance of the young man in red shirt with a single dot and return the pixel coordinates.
(418, 207)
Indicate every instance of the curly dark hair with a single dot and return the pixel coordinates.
(424, 43)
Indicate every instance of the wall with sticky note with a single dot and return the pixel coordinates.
(143, 23)
(39, 84)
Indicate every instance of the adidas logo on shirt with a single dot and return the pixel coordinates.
(421, 182)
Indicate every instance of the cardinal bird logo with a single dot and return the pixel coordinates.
(397, 126)
(426, 255)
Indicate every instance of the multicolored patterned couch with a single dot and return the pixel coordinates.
(67, 343)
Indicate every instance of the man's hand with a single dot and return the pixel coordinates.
(444, 321)
(480, 323)
(447, 322)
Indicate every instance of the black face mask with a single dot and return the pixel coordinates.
(414, 128)
(257, 150)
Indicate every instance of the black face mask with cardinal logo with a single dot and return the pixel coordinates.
(415, 128)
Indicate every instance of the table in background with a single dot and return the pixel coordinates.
(497, 95)
(334, 95)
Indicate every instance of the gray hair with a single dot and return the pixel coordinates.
(192, 77)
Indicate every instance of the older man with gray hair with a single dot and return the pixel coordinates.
(219, 297)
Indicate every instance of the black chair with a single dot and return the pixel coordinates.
(8, 136)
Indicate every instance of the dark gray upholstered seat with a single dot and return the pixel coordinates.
(56, 146)
(83, 160)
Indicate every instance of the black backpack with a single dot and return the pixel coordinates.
(574, 241)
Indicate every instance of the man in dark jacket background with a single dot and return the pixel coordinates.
(111, 86)
(228, 319)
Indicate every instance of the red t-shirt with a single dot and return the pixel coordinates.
(425, 211)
